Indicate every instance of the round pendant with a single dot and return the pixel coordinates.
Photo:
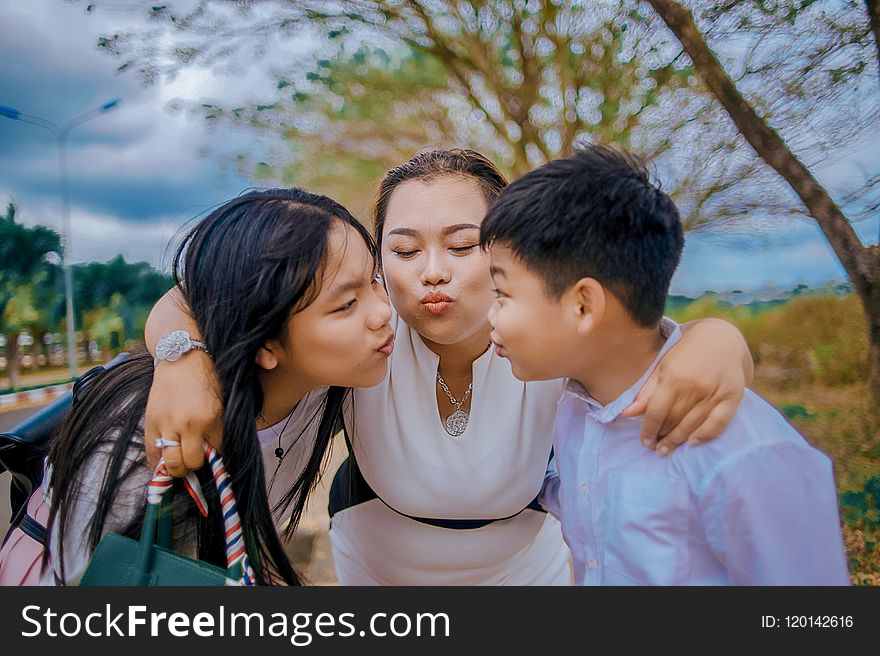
(456, 423)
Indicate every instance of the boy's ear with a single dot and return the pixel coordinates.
(267, 355)
(587, 302)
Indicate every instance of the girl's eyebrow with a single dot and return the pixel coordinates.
(344, 287)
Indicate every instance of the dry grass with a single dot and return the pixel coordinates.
(811, 363)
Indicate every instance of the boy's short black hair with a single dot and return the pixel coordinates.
(597, 215)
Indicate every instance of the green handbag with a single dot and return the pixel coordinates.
(151, 561)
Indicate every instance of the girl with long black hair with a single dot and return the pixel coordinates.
(282, 286)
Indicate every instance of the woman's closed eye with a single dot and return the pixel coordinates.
(462, 249)
(405, 254)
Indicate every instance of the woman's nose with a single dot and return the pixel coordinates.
(435, 271)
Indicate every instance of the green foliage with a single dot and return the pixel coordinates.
(358, 112)
(20, 312)
(22, 252)
(863, 506)
(520, 84)
(809, 339)
(96, 283)
(22, 248)
(112, 299)
(524, 81)
(796, 411)
(861, 511)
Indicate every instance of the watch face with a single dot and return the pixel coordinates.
(173, 345)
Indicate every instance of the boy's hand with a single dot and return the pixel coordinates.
(696, 388)
(184, 406)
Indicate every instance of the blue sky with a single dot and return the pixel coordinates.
(141, 172)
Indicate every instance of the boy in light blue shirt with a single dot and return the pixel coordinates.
(583, 250)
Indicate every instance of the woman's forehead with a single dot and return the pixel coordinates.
(433, 205)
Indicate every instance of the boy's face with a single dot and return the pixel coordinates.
(529, 328)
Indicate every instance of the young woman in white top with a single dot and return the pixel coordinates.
(450, 451)
(283, 287)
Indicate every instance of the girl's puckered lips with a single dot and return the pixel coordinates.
(388, 347)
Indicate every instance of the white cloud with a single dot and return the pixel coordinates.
(101, 237)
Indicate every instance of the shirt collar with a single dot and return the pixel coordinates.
(608, 413)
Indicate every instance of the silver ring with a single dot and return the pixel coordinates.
(162, 442)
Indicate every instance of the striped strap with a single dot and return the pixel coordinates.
(236, 551)
(235, 546)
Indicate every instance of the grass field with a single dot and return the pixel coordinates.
(811, 363)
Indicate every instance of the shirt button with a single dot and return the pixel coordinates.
(585, 489)
(591, 564)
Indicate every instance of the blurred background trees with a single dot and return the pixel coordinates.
(25, 253)
(741, 104)
(113, 299)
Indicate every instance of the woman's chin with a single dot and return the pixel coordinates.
(440, 329)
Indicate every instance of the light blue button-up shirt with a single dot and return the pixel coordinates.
(756, 506)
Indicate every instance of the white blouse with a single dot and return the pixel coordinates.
(297, 438)
(492, 471)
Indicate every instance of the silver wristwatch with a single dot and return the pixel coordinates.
(174, 344)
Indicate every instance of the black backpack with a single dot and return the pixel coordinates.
(23, 451)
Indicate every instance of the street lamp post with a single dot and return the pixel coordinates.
(60, 135)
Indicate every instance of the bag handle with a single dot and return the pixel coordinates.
(239, 571)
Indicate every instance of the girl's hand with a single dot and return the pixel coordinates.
(696, 388)
(184, 402)
(184, 406)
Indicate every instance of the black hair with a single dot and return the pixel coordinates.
(434, 165)
(596, 215)
(244, 270)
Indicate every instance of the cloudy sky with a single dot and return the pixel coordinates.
(139, 173)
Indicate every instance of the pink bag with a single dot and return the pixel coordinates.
(21, 556)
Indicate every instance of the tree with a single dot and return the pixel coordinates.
(524, 79)
(115, 297)
(874, 17)
(22, 252)
(862, 263)
(102, 323)
(48, 298)
(521, 81)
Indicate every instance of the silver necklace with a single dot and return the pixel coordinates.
(456, 423)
